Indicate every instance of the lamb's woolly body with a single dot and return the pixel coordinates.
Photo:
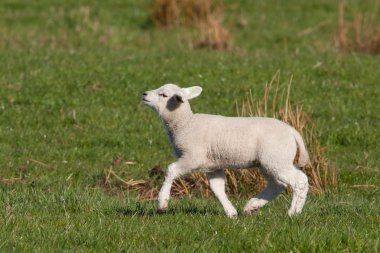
(211, 143)
(219, 142)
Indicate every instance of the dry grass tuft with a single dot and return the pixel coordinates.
(213, 35)
(168, 13)
(113, 182)
(322, 175)
(360, 35)
(204, 15)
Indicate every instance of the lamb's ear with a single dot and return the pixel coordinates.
(192, 92)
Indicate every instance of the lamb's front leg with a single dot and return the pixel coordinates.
(172, 173)
(217, 184)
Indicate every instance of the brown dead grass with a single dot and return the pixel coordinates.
(204, 15)
(360, 35)
(322, 174)
(169, 13)
(213, 35)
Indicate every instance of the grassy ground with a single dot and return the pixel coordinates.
(71, 77)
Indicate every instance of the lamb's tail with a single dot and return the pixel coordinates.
(303, 156)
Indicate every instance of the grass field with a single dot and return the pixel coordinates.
(71, 77)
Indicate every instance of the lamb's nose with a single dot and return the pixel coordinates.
(145, 94)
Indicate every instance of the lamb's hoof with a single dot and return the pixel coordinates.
(250, 211)
(232, 214)
(292, 213)
(162, 208)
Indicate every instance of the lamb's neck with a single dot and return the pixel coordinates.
(178, 122)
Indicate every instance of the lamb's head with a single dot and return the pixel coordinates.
(170, 98)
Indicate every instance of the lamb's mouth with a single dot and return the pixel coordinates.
(145, 100)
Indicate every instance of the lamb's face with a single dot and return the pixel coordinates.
(169, 97)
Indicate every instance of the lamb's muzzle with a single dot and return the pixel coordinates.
(210, 143)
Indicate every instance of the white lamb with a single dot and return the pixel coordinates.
(210, 143)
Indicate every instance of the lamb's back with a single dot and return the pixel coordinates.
(240, 128)
(231, 140)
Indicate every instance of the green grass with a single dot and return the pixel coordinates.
(52, 55)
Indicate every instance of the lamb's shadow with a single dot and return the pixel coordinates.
(142, 210)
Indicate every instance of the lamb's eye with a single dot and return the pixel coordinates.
(163, 95)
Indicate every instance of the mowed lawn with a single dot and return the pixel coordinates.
(71, 77)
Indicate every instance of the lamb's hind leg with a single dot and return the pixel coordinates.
(298, 181)
(271, 191)
(217, 185)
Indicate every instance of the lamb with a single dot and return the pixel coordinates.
(210, 143)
